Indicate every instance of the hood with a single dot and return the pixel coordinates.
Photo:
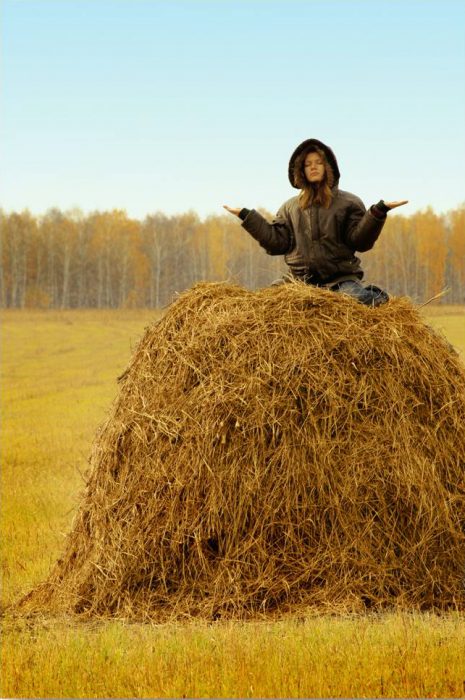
(306, 146)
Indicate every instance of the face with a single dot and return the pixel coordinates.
(314, 167)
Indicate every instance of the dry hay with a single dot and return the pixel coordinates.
(272, 451)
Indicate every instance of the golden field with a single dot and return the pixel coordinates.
(59, 371)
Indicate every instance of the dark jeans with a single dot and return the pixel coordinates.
(371, 295)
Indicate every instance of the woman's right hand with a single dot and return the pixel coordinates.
(231, 210)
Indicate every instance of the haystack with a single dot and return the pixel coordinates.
(271, 452)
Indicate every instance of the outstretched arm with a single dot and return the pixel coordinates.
(363, 227)
(275, 237)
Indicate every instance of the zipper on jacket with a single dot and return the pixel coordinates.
(315, 223)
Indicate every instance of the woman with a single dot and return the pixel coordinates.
(319, 230)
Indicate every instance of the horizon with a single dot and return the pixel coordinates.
(72, 211)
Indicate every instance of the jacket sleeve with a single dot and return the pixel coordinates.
(362, 227)
(276, 237)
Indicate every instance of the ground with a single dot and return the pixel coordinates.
(59, 371)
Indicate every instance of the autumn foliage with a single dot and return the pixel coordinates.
(109, 260)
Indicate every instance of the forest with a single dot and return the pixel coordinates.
(108, 260)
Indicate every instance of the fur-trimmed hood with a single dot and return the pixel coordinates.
(303, 149)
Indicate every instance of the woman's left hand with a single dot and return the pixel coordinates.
(233, 210)
(393, 205)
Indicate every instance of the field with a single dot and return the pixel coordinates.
(59, 371)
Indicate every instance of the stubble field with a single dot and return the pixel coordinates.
(59, 371)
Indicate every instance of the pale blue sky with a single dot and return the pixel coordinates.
(173, 105)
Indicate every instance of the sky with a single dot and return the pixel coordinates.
(177, 105)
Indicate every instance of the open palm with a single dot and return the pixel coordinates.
(393, 205)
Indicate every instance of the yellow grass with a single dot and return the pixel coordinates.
(391, 656)
(59, 371)
(450, 320)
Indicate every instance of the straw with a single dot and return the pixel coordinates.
(270, 452)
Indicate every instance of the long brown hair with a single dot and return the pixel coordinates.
(318, 193)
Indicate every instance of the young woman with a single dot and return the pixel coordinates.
(319, 230)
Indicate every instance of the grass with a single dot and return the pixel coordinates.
(389, 656)
(59, 371)
(450, 321)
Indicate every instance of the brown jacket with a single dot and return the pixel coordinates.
(319, 244)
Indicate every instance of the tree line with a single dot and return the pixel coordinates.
(109, 260)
